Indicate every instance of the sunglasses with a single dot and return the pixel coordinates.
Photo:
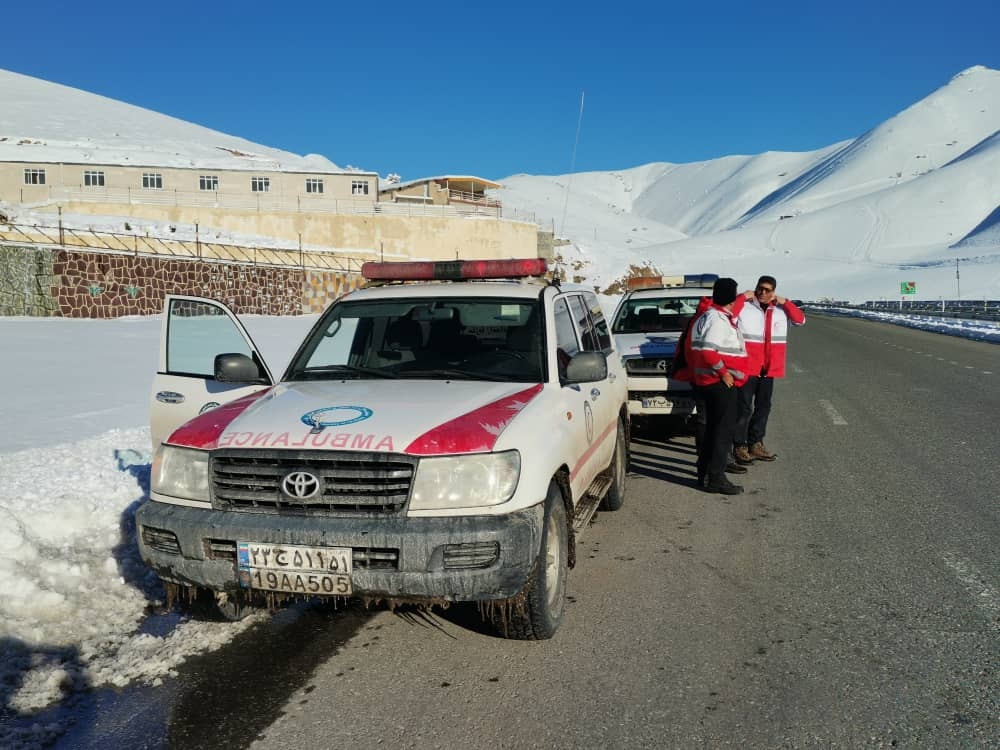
(765, 289)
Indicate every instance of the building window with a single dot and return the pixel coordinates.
(92, 178)
(359, 187)
(314, 186)
(260, 184)
(208, 182)
(152, 180)
(34, 176)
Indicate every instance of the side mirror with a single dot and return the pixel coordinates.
(237, 368)
(587, 367)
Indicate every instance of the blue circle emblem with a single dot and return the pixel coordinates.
(314, 417)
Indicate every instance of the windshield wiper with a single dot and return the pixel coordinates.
(316, 373)
(443, 373)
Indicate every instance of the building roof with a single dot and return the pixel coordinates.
(466, 183)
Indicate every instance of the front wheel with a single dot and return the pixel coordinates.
(615, 496)
(536, 612)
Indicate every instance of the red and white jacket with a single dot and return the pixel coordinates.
(717, 345)
(766, 334)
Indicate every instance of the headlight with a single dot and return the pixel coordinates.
(180, 472)
(465, 481)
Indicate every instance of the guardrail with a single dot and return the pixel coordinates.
(960, 309)
(66, 238)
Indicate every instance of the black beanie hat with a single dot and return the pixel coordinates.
(724, 291)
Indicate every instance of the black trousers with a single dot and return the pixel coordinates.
(720, 421)
(753, 409)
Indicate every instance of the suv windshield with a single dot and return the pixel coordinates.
(458, 338)
(659, 315)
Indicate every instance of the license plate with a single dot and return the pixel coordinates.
(660, 402)
(319, 571)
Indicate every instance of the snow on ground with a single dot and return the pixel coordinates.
(74, 465)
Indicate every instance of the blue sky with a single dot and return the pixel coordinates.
(494, 89)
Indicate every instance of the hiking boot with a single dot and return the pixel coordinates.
(735, 469)
(723, 487)
(742, 455)
(758, 451)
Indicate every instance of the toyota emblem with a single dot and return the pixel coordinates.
(300, 485)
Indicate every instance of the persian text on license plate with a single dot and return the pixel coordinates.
(320, 571)
(659, 402)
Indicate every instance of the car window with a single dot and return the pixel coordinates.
(600, 323)
(196, 332)
(583, 323)
(567, 345)
(484, 338)
(656, 315)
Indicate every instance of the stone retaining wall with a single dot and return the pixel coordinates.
(26, 282)
(107, 285)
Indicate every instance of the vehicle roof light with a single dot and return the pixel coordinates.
(653, 282)
(697, 280)
(700, 279)
(454, 270)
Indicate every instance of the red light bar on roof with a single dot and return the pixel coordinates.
(454, 270)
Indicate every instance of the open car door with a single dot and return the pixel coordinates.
(194, 332)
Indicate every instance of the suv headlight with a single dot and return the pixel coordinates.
(180, 472)
(465, 481)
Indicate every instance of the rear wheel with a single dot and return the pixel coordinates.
(615, 496)
(537, 612)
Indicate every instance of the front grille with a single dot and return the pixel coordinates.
(351, 484)
(663, 366)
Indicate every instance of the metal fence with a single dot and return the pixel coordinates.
(985, 309)
(66, 238)
(265, 202)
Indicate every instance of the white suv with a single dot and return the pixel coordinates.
(647, 324)
(429, 443)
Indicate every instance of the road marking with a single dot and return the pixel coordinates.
(831, 412)
(985, 596)
(952, 362)
(796, 368)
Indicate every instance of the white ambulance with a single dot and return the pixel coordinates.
(433, 442)
(647, 323)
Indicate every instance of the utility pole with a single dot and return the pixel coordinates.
(572, 166)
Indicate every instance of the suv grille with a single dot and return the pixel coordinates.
(349, 483)
(650, 366)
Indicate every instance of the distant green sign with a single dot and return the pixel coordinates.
(907, 287)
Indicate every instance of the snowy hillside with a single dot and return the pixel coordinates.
(901, 202)
(46, 122)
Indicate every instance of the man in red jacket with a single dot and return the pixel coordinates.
(719, 366)
(764, 322)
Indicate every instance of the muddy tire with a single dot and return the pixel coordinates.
(535, 614)
(615, 496)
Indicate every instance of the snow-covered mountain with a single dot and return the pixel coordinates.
(901, 202)
(47, 122)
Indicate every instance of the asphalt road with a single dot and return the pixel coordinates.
(851, 598)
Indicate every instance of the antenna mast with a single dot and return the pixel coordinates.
(572, 166)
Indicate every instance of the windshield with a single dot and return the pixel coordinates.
(460, 338)
(656, 315)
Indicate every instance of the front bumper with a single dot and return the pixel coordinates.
(653, 396)
(393, 557)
